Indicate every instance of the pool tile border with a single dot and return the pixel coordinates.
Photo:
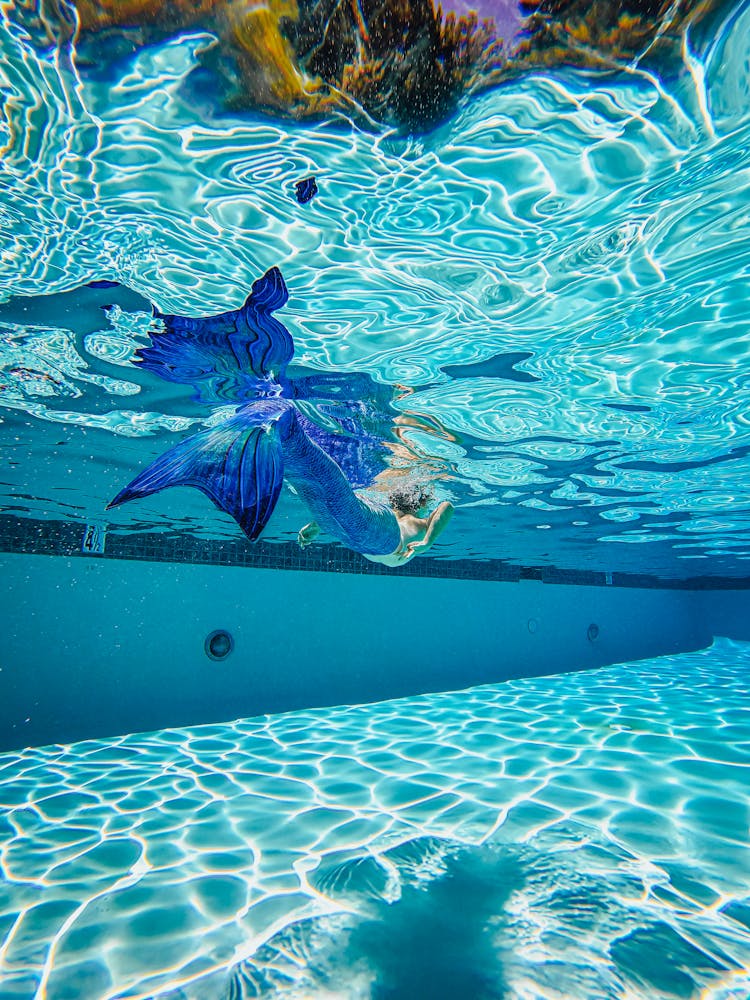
(31, 536)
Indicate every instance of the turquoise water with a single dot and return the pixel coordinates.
(582, 835)
(541, 305)
(558, 272)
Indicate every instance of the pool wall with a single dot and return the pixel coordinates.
(105, 647)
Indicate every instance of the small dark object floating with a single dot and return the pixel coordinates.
(218, 645)
(306, 190)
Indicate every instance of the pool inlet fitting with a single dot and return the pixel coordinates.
(218, 645)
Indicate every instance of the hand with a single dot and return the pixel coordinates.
(411, 549)
(307, 535)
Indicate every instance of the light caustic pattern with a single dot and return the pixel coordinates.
(598, 225)
(580, 826)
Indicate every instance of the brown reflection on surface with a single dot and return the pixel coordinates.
(403, 63)
(604, 34)
(400, 62)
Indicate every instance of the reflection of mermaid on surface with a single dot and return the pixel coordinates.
(241, 463)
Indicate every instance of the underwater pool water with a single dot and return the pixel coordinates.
(554, 281)
(533, 306)
(581, 835)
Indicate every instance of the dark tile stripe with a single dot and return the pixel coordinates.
(65, 538)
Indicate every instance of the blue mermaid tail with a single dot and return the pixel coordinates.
(228, 357)
(241, 464)
(363, 523)
(242, 355)
(238, 465)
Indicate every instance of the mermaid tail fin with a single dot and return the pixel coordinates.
(224, 357)
(238, 465)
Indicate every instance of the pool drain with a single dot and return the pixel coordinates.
(218, 645)
(592, 633)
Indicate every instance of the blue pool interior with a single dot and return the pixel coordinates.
(517, 767)
(581, 834)
(98, 647)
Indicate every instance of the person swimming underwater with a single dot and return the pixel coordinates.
(241, 463)
(416, 534)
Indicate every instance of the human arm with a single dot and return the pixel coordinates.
(436, 524)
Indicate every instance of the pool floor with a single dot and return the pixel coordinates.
(577, 835)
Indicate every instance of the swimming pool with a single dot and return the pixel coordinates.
(575, 835)
(500, 267)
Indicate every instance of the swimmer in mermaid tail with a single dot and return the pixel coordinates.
(241, 463)
(416, 534)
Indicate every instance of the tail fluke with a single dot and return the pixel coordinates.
(238, 465)
(225, 356)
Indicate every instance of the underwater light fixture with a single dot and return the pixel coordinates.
(218, 645)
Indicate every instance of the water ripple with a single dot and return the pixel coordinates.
(579, 813)
(597, 223)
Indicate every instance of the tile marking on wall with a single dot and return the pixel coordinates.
(64, 538)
